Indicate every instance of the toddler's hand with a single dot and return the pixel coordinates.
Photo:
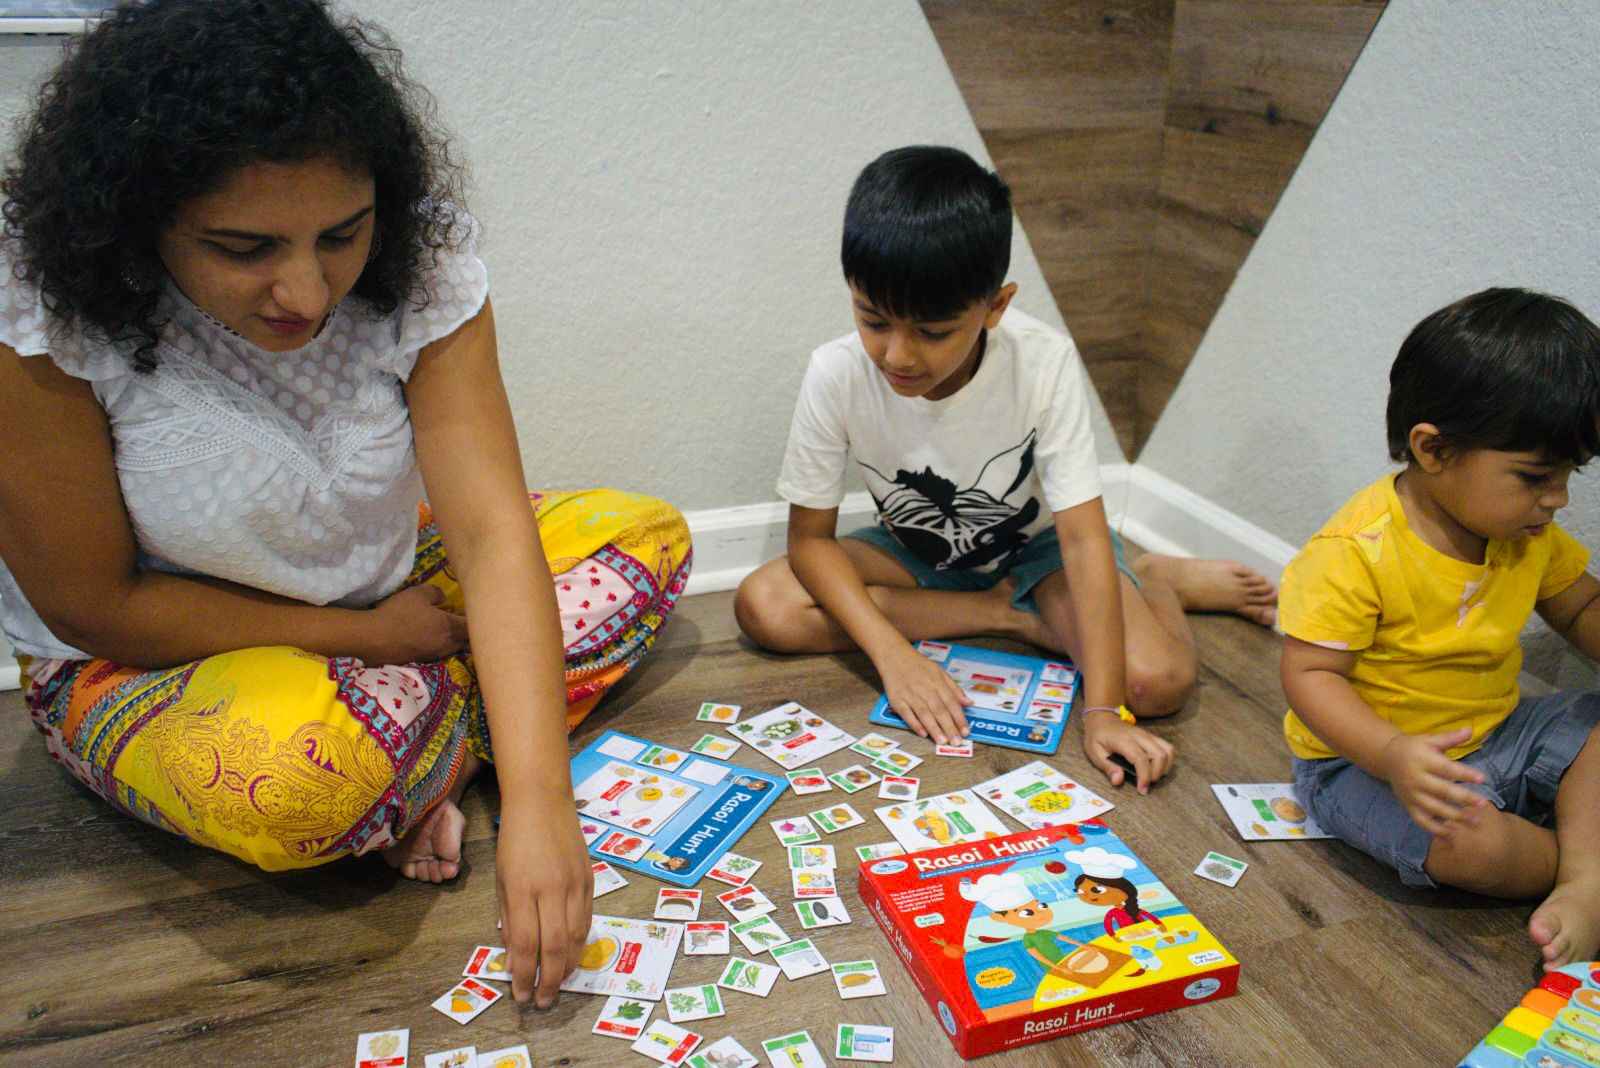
(410, 627)
(1104, 734)
(924, 696)
(1425, 780)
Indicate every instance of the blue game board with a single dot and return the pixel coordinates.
(663, 812)
(1020, 702)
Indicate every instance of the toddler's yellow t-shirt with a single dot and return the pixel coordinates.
(1436, 637)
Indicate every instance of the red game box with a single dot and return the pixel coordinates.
(1040, 934)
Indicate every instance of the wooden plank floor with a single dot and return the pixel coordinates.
(125, 946)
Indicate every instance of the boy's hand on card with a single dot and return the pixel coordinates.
(1427, 782)
(1106, 737)
(923, 695)
(546, 891)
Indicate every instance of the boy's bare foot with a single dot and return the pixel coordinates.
(1566, 927)
(1213, 586)
(431, 851)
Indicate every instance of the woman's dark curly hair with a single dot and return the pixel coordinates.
(165, 100)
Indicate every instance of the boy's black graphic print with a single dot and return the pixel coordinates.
(954, 529)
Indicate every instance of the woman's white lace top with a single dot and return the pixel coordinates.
(289, 472)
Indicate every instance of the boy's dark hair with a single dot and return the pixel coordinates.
(1504, 369)
(927, 233)
(165, 100)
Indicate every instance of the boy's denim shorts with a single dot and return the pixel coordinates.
(1522, 760)
(1035, 562)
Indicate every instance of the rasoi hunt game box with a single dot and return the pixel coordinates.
(1030, 936)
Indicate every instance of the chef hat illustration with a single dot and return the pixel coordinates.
(1098, 864)
(998, 892)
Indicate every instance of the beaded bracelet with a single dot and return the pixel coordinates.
(1121, 712)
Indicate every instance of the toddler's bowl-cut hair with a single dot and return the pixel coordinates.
(927, 233)
(1504, 369)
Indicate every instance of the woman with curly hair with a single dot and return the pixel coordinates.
(235, 236)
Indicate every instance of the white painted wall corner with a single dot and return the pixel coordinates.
(1148, 508)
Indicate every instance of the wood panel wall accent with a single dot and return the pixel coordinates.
(1146, 142)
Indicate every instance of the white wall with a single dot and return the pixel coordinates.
(662, 187)
(1463, 152)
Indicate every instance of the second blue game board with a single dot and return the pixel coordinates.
(664, 812)
(1020, 702)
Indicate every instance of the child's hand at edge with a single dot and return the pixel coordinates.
(1424, 779)
(924, 696)
(1104, 734)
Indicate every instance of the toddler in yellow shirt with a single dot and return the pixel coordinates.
(1402, 615)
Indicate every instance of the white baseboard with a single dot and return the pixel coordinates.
(1149, 509)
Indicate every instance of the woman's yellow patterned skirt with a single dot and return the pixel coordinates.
(287, 759)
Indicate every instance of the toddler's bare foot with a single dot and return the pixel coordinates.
(1213, 586)
(1566, 927)
(431, 851)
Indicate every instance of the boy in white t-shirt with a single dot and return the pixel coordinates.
(970, 425)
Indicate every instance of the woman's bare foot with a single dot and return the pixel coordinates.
(1213, 586)
(1566, 927)
(431, 851)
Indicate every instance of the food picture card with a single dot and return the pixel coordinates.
(606, 878)
(947, 819)
(626, 956)
(836, 818)
(711, 712)
(793, 1051)
(463, 1002)
(510, 1057)
(795, 830)
(623, 845)
(590, 829)
(993, 686)
(489, 962)
(1266, 811)
(798, 959)
(814, 882)
(672, 825)
(746, 902)
(853, 778)
(724, 1053)
(677, 903)
(791, 735)
(706, 938)
(734, 869)
(686, 1004)
(897, 763)
(760, 934)
(963, 748)
(873, 745)
(858, 979)
(864, 1042)
(666, 1043)
(1221, 869)
(1038, 796)
(383, 1049)
(808, 781)
(821, 912)
(623, 1018)
(899, 788)
(749, 977)
(460, 1057)
(712, 745)
(812, 856)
